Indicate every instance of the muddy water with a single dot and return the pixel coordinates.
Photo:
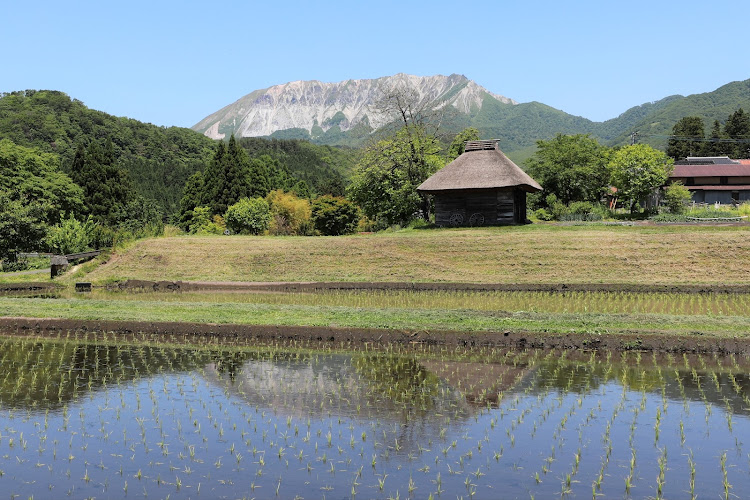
(118, 420)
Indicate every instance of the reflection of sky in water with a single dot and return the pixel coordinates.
(293, 423)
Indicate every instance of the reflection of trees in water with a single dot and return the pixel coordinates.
(694, 380)
(46, 375)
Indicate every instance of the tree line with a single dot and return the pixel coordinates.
(577, 173)
(731, 139)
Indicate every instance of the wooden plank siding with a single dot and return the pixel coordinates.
(494, 206)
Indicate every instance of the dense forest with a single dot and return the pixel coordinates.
(157, 161)
(76, 178)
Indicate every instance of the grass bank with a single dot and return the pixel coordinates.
(387, 318)
(526, 254)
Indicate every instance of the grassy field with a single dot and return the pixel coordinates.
(640, 255)
(390, 318)
(525, 254)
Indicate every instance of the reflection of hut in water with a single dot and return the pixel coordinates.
(480, 383)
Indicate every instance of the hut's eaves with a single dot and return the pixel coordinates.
(480, 169)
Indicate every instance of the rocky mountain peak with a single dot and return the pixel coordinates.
(318, 106)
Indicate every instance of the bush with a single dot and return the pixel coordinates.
(581, 207)
(668, 217)
(334, 215)
(542, 214)
(201, 222)
(70, 235)
(676, 196)
(248, 216)
(290, 214)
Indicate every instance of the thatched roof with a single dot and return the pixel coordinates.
(480, 168)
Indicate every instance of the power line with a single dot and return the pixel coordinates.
(691, 138)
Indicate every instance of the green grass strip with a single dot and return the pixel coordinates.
(386, 318)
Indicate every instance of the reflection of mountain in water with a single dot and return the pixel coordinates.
(394, 390)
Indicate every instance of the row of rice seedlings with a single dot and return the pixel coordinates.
(550, 302)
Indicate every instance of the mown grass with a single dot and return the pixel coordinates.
(386, 318)
(526, 254)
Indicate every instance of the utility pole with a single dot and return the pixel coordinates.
(633, 137)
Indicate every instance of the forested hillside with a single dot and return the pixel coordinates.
(324, 168)
(656, 125)
(158, 160)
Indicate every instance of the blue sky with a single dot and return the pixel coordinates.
(173, 63)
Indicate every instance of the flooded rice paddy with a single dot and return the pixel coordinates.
(114, 419)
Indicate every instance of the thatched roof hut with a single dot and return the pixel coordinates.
(480, 187)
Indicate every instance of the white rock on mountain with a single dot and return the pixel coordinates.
(305, 104)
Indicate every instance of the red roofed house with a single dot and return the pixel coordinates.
(715, 179)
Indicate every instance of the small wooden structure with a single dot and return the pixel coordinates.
(481, 187)
(59, 263)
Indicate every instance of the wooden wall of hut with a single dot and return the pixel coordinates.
(480, 207)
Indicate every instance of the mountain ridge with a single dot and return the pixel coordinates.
(314, 104)
(343, 113)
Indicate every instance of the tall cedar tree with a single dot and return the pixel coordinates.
(714, 147)
(106, 187)
(225, 180)
(231, 176)
(738, 127)
(688, 141)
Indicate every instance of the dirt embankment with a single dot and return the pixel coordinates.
(29, 286)
(143, 285)
(343, 337)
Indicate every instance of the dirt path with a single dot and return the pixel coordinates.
(348, 337)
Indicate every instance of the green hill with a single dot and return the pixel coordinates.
(662, 115)
(158, 159)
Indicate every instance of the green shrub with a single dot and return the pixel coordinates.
(542, 214)
(676, 196)
(581, 207)
(200, 221)
(709, 213)
(248, 216)
(333, 215)
(70, 235)
(290, 214)
(668, 217)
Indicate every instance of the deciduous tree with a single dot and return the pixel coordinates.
(572, 167)
(637, 170)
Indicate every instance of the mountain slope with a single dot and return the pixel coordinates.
(318, 107)
(347, 112)
(658, 122)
